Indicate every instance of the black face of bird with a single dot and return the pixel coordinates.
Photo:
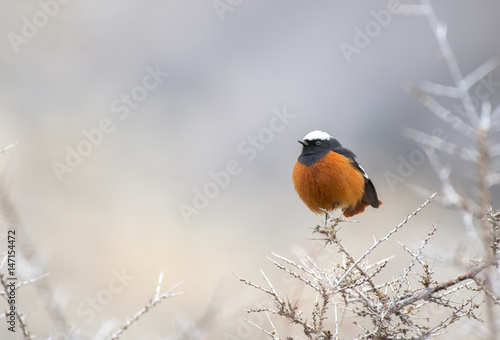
(318, 142)
(315, 145)
(313, 150)
(312, 147)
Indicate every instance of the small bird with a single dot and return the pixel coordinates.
(326, 176)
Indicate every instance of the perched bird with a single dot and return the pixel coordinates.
(327, 176)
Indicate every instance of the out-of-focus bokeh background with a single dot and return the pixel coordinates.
(125, 111)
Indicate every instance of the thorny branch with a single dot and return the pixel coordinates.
(159, 297)
(396, 309)
(19, 316)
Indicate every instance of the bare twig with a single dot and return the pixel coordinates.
(158, 297)
(2, 150)
(19, 316)
(387, 236)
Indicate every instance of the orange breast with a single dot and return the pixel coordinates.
(330, 180)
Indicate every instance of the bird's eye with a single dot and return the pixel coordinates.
(318, 142)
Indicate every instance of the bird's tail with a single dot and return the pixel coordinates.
(357, 209)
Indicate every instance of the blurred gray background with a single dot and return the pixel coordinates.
(228, 73)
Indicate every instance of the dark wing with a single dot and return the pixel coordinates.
(370, 197)
(348, 153)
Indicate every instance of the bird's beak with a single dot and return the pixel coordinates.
(303, 142)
